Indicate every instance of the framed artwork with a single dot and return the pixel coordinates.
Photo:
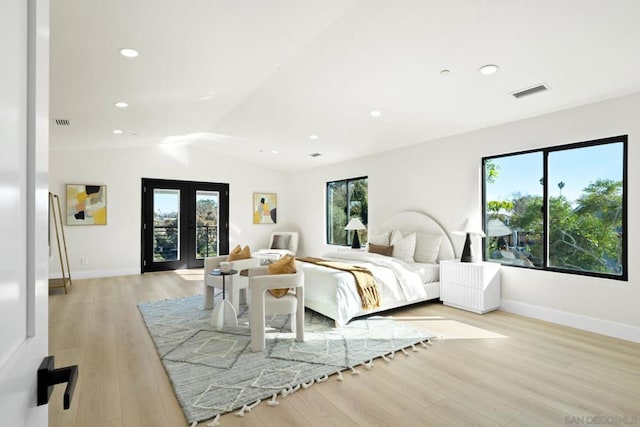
(86, 204)
(264, 208)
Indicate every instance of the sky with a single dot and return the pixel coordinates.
(577, 168)
(167, 201)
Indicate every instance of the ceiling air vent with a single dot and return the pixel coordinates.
(530, 91)
(315, 155)
(63, 122)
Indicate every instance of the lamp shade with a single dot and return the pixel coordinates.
(355, 224)
(469, 227)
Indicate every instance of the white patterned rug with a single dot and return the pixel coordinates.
(215, 372)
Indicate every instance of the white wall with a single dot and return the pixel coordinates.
(114, 249)
(443, 179)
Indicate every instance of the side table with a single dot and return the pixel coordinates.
(224, 313)
(472, 286)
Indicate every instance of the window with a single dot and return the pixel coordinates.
(560, 208)
(346, 199)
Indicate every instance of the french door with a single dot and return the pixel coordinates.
(183, 222)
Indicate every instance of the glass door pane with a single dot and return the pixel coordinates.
(207, 214)
(166, 225)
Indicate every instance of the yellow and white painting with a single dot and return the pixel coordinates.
(86, 204)
(264, 208)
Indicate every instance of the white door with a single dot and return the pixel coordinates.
(24, 122)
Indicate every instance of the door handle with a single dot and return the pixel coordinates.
(48, 377)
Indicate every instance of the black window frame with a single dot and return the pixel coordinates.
(624, 276)
(349, 236)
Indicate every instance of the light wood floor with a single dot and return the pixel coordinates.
(492, 369)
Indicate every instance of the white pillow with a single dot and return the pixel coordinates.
(427, 247)
(379, 238)
(403, 247)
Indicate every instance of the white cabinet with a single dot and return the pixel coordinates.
(473, 286)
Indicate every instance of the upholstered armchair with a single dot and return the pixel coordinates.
(233, 284)
(263, 303)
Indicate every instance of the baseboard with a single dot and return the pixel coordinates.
(591, 324)
(95, 274)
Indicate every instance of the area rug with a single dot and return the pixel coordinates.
(214, 372)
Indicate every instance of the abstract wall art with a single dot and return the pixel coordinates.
(264, 208)
(86, 204)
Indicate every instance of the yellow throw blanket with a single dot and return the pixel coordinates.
(365, 283)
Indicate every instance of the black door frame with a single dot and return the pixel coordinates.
(188, 190)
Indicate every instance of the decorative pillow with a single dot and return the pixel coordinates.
(285, 265)
(379, 238)
(280, 241)
(239, 253)
(403, 247)
(380, 249)
(427, 247)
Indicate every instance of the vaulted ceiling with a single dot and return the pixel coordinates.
(248, 78)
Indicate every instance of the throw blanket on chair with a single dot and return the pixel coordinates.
(365, 283)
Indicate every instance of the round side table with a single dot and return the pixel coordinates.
(224, 313)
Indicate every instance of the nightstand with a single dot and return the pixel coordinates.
(472, 286)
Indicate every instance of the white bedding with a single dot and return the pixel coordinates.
(334, 293)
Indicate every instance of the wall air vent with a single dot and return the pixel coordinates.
(530, 91)
(315, 155)
(63, 122)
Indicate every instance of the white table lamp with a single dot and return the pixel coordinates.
(355, 224)
(468, 229)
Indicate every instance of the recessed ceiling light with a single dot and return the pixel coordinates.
(117, 131)
(488, 69)
(375, 113)
(314, 137)
(274, 151)
(121, 104)
(129, 53)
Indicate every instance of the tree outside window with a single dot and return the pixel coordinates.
(559, 208)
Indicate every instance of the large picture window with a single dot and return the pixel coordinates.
(346, 199)
(559, 208)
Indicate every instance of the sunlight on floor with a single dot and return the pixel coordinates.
(192, 274)
(446, 329)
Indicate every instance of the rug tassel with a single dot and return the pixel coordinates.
(404, 352)
(215, 422)
(322, 379)
(194, 424)
(274, 400)
(353, 371)
(386, 359)
(241, 412)
(413, 347)
(368, 364)
(340, 376)
(423, 344)
(307, 385)
(286, 392)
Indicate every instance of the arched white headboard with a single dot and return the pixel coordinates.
(410, 221)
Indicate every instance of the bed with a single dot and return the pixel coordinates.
(409, 276)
